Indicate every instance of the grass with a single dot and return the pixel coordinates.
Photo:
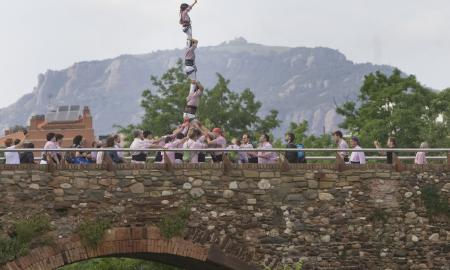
(118, 264)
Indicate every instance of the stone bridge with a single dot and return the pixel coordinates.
(245, 217)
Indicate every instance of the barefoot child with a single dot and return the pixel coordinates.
(185, 20)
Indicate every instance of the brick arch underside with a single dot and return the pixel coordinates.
(137, 243)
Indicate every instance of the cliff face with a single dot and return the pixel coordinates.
(301, 83)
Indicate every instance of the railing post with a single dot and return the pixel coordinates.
(107, 160)
(168, 166)
(398, 164)
(284, 163)
(340, 163)
(227, 166)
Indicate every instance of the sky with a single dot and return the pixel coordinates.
(38, 35)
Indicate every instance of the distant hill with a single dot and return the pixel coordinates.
(301, 83)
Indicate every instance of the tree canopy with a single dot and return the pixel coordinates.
(398, 106)
(234, 112)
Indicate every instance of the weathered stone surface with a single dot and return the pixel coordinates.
(233, 185)
(81, 183)
(326, 197)
(187, 186)
(65, 186)
(197, 192)
(137, 188)
(264, 184)
(313, 184)
(273, 216)
(34, 186)
(228, 194)
(197, 183)
(59, 192)
(311, 194)
(434, 237)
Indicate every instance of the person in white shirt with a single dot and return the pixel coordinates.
(118, 144)
(357, 157)
(50, 144)
(138, 157)
(218, 142)
(12, 158)
(174, 142)
(248, 157)
(342, 145)
(266, 157)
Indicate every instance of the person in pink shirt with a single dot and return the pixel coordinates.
(266, 157)
(218, 142)
(421, 157)
(193, 100)
(195, 142)
(173, 142)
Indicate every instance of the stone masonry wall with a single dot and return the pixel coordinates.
(367, 217)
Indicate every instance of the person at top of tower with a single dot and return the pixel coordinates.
(185, 20)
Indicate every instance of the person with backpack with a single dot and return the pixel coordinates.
(291, 156)
(185, 20)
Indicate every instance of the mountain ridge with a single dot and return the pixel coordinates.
(301, 83)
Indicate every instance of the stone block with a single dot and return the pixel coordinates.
(326, 185)
(251, 174)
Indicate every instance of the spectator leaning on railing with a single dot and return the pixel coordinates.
(342, 145)
(266, 157)
(251, 157)
(391, 143)
(12, 158)
(357, 157)
(292, 157)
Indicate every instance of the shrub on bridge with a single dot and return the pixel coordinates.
(174, 224)
(433, 202)
(26, 234)
(92, 232)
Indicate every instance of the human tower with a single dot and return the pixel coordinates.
(196, 89)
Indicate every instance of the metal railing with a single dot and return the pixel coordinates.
(377, 151)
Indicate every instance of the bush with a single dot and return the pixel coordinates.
(433, 202)
(174, 224)
(26, 233)
(92, 232)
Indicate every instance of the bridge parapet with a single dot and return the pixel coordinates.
(363, 216)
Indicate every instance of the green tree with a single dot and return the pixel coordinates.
(220, 107)
(392, 106)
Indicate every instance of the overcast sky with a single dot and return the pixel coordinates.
(37, 35)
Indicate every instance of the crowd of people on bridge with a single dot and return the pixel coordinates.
(186, 144)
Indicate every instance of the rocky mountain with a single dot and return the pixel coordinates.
(301, 83)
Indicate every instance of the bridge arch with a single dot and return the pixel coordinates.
(144, 243)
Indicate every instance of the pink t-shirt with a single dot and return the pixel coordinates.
(194, 98)
(421, 158)
(270, 157)
(221, 142)
(191, 144)
(172, 145)
(51, 145)
(184, 16)
(190, 52)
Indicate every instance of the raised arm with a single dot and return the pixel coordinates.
(195, 2)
